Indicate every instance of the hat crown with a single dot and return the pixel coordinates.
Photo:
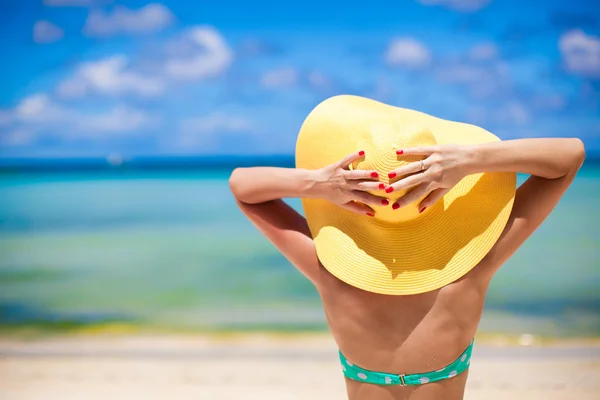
(429, 250)
(380, 145)
(343, 125)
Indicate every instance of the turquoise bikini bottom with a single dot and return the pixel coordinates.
(356, 373)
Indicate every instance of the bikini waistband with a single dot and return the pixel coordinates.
(357, 373)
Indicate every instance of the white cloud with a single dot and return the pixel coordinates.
(483, 51)
(40, 114)
(581, 53)
(281, 77)
(120, 119)
(458, 5)
(407, 52)
(47, 32)
(75, 3)
(200, 53)
(252, 47)
(209, 55)
(109, 76)
(150, 18)
(34, 108)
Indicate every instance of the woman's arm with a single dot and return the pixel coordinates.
(544, 158)
(258, 192)
(552, 164)
(260, 184)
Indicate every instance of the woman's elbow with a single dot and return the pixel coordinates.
(578, 153)
(236, 181)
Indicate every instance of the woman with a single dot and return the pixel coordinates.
(403, 235)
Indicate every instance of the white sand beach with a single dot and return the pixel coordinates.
(262, 367)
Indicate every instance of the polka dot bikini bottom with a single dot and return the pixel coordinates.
(356, 373)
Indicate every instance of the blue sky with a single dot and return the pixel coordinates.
(93, 77)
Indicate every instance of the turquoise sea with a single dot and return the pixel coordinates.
(169, 249)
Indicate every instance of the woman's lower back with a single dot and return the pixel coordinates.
(403, 334)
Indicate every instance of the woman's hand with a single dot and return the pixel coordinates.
(441, 169)
(348, 189)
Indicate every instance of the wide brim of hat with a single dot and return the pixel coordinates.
(424, 253)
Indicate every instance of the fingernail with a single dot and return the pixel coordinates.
(389, 189)
(391, 175)
(395, 206)
(385, 202)
(422, 209)
(361, 153)
(399, 152)
(374, 175)
(382, 186)
(370, 214)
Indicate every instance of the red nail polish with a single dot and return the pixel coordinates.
(382, 186)
(370, 214)
(385, 202)
(392, 175)
(361, 153)
(374, 175)
(396, 206)
(422, 209)
(389, 189)
(399, 152)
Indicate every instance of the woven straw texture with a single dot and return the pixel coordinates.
(399, 252)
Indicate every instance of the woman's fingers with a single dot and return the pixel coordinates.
(370, 199)
(350, 158)
(361, 174)
(412, 196)
(366, 185)
(411, 168)
(407, 182)
(358, 208)
(417, 151)
(432, 198)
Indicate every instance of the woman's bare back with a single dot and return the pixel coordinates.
(418, 333)
(403, 334)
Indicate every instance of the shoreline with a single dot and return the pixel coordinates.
(261, 367)
(264, 344)
(108, 331)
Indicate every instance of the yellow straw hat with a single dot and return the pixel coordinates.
(399, 252)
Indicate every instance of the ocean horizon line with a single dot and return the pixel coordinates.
(118, 162)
